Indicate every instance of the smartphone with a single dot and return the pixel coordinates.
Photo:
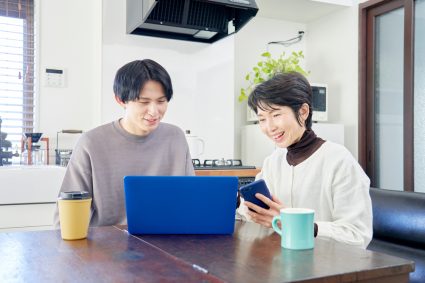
(248, 192)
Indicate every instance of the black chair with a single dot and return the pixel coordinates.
(399, 227)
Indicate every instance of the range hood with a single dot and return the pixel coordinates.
(193, 20)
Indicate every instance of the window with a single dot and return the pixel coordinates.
(17, 89)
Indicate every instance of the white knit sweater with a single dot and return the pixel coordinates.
(332, 183)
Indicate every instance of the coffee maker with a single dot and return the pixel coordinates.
(32, 152)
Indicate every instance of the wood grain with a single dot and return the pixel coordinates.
(251, 254)
(107, 255)
(254, 254)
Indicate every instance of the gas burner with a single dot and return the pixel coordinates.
(215, 164)
(222, 162)
(196, 162)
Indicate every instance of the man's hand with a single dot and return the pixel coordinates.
(264, 216)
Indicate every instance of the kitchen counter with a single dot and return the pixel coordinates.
(30, 183)
(228, 172)
(28, 196)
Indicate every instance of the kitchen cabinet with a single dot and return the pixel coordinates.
(230, 172)
(245, 176)
(28, 196)
(26, 217)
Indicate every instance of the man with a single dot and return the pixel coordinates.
(136, 144)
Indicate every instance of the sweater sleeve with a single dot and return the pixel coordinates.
(351, 205)
(78, 175)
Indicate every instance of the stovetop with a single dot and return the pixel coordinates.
(220, 164)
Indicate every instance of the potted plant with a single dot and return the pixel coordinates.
(266, 68)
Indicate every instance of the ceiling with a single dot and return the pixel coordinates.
(301, 11)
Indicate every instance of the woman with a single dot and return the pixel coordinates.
(312, 173)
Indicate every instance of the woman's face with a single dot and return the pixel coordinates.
(143, 115)
(280, 124)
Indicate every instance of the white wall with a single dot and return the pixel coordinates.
(332, 47)
(250, 43)
(69, 36)
(202, 77)
(88, 40)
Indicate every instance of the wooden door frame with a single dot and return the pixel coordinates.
(367, 12)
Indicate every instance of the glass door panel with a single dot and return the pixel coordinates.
(419, 97)
(388, 100)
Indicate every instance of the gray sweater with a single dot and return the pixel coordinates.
(104, 155)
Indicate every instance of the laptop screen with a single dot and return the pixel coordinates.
(180, 204)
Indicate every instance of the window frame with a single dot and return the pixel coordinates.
(367, 12)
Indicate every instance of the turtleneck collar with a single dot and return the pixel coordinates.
(304, 148)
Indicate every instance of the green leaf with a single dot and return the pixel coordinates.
(266, 68)
(266, 54)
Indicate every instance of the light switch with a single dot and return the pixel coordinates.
(54, 77)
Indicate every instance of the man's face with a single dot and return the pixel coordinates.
(143, 115)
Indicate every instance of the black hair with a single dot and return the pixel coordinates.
(132, 77)
(284, 89)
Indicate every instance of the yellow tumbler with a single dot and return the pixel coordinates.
(74, 214)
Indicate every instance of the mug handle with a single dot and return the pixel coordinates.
(274, 225)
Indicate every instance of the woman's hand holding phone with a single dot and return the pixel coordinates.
(264, 216)
(262, 205)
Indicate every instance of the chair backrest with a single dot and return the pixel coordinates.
(398, 216)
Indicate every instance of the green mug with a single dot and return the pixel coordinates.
(297, 231)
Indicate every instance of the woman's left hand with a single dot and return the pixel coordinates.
(261, 215)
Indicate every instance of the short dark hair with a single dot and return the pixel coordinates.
(131, 78)
(285, 89)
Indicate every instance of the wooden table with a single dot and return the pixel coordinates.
(252, 254)
(107, 255)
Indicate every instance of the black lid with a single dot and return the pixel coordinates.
(74, 195)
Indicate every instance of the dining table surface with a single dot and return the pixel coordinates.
(251, 254)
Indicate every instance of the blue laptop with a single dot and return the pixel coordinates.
(180, 204)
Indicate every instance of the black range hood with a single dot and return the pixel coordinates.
(194, 20)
